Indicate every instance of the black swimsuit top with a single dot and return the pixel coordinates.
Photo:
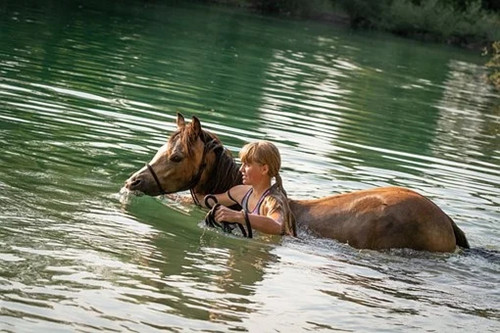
(256, 210)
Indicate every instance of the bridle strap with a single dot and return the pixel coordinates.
(195, 180)
(153, 173)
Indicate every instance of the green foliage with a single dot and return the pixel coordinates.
(288, 7)
(441, 21)
(494, 65)
(464, 22)
(453, 21)
(364, 13)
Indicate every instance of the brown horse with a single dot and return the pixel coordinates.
(380, 218)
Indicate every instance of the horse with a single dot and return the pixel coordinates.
(379, 218)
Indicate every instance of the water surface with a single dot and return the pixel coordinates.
(89, 92)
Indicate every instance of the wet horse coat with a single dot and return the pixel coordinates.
(379, 218)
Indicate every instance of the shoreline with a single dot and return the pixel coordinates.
(329, 13)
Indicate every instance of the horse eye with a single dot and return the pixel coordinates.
(175, 158)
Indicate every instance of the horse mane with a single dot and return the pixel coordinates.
(224, 173)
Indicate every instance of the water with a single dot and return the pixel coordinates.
(89, 91)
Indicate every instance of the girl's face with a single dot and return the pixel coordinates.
(253, 172)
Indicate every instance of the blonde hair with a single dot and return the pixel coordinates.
(265, 152)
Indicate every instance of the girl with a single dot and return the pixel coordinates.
(267, 206)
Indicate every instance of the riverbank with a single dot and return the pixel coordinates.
(472, 24)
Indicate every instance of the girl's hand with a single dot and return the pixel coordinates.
(224, 214)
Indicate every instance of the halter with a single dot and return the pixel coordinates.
(211, 145)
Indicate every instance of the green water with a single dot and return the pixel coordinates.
(89, 92)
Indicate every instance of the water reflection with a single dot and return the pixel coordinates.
(212, 275)
(465, 108)
(403, 287)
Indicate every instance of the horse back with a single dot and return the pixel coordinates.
(380, 218)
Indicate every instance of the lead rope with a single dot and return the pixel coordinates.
(225, 226)
(248, 224)
(194, 197)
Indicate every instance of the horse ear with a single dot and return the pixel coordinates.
(196, 126)
(180, 121)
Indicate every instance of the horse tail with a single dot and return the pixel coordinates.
(459, 236)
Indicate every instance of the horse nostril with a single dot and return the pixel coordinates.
(135, 182)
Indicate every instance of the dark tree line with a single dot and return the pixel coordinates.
(471, 23)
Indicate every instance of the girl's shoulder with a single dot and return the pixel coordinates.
(270, 204)
(274, 201)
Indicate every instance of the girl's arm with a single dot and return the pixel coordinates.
(271, 223)
(231, 197)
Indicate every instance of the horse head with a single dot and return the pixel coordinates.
(192, 159)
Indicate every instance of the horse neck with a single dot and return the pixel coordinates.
(221, 175)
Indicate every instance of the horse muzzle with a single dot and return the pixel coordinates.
(142, 181)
